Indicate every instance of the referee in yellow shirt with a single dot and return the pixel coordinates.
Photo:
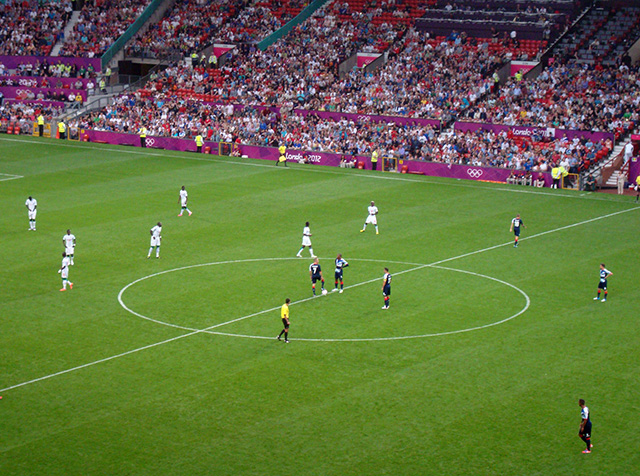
(284, 314)
(283, 155)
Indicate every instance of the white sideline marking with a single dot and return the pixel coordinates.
(321, 169)
(5, 177)
(235, 320)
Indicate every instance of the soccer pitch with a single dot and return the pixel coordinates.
(170, 366)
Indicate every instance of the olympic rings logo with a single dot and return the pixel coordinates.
(20, 92)
(150, 141)
(475, 173)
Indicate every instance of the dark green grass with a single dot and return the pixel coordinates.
(498, 400)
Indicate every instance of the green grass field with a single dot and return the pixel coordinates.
(476, 369)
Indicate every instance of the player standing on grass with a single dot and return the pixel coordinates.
(516, 223)
(372, 218)
(585, 426)
(64, 272)
(32, 207)
(155, 240)
(340, 265)
(602, 285)
(386, 288)
(306, 241)
(284, 314)
(183, 201)
(315, 272)
(69, 242)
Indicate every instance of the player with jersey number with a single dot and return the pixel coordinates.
(386, 288)
(32, 208)
(184, 196)
(585, 426)
(516, 223)
(602, 285)
(315, 273)
(340, 265)
(306, 241)
(156, 238)
(371, 218)
(69, 242)
(64, 272)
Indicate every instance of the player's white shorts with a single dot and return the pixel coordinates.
(371, 219)
(184, 202)
(155, 241)
(65, 273)
(306, 241)
(32, 214)
(69, 251)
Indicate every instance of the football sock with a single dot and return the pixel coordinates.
(364, 227)
(64, 284)
(322, 284)
(157, 251)
(313, 286)
(376, 228)
(286, 335)
(341, 285)
(605, 294)
(588, 442)
(311, 251)
(150, 250)
(336, 284)
(386, 301)
(598, 294)
(301, 248)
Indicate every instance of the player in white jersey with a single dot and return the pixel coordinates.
(69, 242)
(183, 201)
(32, 206)
(156, 238)
(306, 241)
(372, 218)
(64, 272)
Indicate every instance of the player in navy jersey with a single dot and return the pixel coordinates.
(585, 425)
(516, 223)
(340, 265)
(315, 271)
(602, 285)
(386, 288)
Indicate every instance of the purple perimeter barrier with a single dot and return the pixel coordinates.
(436, 169)
(525, 131)
(12, 62)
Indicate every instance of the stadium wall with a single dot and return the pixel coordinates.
(525, 131)
(435, 169)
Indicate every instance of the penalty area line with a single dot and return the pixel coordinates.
(200, 331)
(5, 177)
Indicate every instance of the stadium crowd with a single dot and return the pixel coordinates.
(192, 25)
(100, 24)
(32, 28)
(567, 96)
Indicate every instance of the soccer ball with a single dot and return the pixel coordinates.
(325, 292)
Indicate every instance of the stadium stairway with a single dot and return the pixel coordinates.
(67, 32)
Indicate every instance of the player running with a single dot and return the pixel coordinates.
(372, 218)
(64, 272)
(315, 272)
(386, 288)
(602, 285)
(32, 206)
(340, 265)
(156, 238)
(306, 241)
(183, 201)
(516, 223)
(69, 242)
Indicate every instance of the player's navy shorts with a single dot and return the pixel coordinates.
(387, 290)
(602, 285)
(285, 323)
(316, 277)
(516, 231)
(587, 430)
(338, 274)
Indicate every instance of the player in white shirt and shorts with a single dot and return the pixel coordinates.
(156, 238)
(32, 206)
(371, 218)
(69, 242)
(64, 272)
(306, 241)
(183, 201)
